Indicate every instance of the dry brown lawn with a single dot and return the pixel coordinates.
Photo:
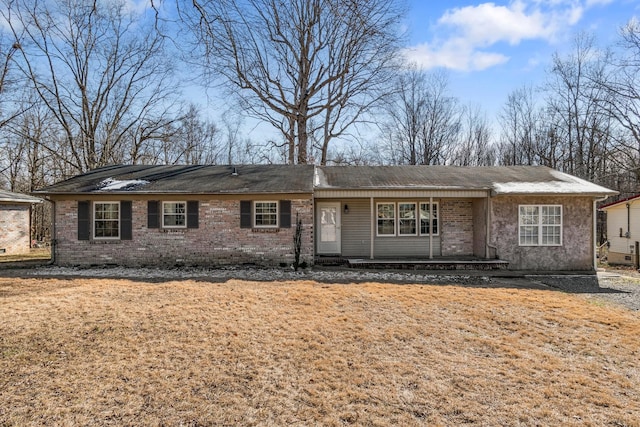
(118, 352)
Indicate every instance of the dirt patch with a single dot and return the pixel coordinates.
(113, 352)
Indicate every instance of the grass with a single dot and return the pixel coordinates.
(35, 254)
(118, 352)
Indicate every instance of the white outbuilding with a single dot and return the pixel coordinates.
(623, 230)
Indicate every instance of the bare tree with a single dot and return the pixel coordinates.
(326, 62)
(623, 104)
(424, 120)
(99, 69)
(520, 121)
(474, 146)
(576, 103)
(190, 140)
(8, 79)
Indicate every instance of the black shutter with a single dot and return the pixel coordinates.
(285, 213)
(84, 229)
(192, 214)
(245, 214)
(152, 214)
(126, 228)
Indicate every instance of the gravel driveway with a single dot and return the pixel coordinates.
(617, 287)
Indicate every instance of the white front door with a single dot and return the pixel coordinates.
(329, 225)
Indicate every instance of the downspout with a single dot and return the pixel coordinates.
(595, 226)
(628, 235)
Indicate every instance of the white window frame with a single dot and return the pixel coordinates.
(437, 211)
(95, 204)
(416, 214)
(164, 203)
(540, 225)
(378, 219)
(255, 214)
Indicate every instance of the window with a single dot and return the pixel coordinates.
(386, 219)
(407, 219)
(428, 219)
(266, 214)
(106, 220)
(540, 225)
(174, 214)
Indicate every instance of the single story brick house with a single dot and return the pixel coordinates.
(15, 222)
(530, 218)
(623, 230)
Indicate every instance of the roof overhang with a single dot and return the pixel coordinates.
(619, 202)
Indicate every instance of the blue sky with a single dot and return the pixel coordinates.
(492, 48)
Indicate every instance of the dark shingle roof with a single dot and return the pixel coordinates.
(199, 179)
(10, 197)
(498, 179)
(258, 179)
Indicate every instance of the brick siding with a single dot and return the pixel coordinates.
(576, 252)
(218, 240)
(456, 219)
(14, 228)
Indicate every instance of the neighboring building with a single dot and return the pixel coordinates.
(15, 222)
(533, 218)
(623, 230)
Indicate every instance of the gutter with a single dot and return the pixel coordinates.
(595, 227)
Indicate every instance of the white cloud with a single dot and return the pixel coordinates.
(591, 3)
(488, 23)
(454, 55)
(137, 6)
(467, 38)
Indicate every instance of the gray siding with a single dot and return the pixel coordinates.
(411, 246)
(356, 229)
(356, 232)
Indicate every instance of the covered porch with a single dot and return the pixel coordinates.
(416, 229)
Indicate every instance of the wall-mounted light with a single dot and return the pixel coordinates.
(346, 209)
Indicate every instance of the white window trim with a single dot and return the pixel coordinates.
(185, 214)
(416, 218)
(255, 214)
(540, 225)
(437, 204)
(93, 213)
(395, 219)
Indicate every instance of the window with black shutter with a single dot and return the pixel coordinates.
(285, 214)
(84, 226)
(246, 216)
(192, 214)
(126, 226)
(153, 219)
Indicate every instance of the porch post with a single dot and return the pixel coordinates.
(373, 228)
(430, 227)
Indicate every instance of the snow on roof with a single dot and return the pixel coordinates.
(111, 184)
(10, 197)
(562, 184)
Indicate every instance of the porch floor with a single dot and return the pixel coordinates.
(443, 263)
